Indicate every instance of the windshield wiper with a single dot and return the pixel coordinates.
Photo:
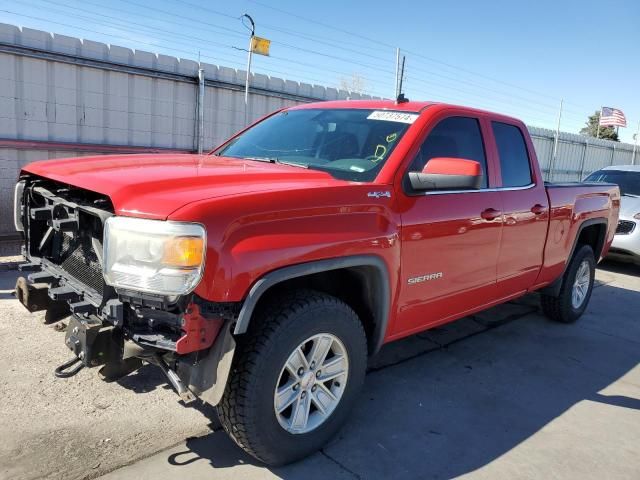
(259, 159)
(630, 195)
(292, 164)
(277, 160)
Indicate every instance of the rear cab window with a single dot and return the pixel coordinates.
(515, 165)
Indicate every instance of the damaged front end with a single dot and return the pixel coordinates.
(130, 299)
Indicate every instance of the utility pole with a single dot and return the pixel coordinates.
(200, 129)
(555, 142)
(635, 145)
(252, 29)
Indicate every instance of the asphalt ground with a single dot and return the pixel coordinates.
(502, 394)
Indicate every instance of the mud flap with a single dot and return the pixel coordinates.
(208, 376)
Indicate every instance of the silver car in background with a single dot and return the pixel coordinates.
(626, 243)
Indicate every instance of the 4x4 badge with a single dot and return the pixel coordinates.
(379, 194)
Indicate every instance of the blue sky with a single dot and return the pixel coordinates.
(518, 58)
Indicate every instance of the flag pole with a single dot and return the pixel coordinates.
(555, 142)
(599, 120)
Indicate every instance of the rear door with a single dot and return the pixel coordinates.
(525, 207)
(450, 239)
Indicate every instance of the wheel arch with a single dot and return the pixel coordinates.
(592, 232)
(369, 294)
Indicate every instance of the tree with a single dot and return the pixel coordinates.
(591, 129)
(355, 84)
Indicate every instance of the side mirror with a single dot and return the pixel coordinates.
(442, 173)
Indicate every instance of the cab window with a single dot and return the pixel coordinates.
(514, 159)
(454, 137)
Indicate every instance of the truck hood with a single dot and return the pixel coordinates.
(154, 186)
(629, 206)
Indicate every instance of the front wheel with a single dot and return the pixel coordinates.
(575, 293)
(295, 377)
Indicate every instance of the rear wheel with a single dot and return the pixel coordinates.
(577, 286)
(295, 378)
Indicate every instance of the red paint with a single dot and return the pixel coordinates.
(83, 147)
(452, 166)
(490, 245)
(199, 332)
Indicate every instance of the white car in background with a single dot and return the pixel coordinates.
(626, 243)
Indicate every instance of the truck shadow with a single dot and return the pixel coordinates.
(454, 399)
(619, 267)
(8, 284)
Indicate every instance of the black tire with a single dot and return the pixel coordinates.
(560, 308)
(247, 407)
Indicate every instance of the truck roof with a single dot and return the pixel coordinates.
(409, 106)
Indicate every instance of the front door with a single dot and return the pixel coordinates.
(450, 240)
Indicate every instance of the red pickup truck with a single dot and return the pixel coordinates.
(261, 276)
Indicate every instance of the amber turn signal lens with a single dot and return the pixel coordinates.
(183, 252)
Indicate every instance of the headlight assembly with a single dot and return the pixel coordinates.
(17, 205)
(153, 256)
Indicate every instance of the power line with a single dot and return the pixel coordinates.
(204, 41)
(306, 50)
(509, 98)
(216, 57)
(350, 61)
(431, 59)
(292, 33)
(154, 44)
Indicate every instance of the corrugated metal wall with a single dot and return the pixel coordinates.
(55, 88)
(577, 155)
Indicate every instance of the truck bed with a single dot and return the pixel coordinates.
(571, 205)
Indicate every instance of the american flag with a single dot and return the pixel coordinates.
(612, 117)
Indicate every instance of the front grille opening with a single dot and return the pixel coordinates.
(625, 227)
(78, 252)
(78, 255)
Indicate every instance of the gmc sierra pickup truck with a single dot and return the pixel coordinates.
(261, 276)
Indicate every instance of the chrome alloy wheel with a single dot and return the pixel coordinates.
(311, 383)
(581, 285)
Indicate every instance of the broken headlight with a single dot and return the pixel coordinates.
(17, 205)
(153, 256)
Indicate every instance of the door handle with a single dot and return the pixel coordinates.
(490, 214)
(538, 209)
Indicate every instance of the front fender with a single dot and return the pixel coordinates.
(382, 293)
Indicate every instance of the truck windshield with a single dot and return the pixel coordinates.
(350, 144)
(629, 182)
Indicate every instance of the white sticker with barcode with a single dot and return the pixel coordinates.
(402, 117)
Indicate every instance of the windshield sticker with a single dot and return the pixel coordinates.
(393, 116)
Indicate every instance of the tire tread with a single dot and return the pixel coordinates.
(559, 308)
(235, 409)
